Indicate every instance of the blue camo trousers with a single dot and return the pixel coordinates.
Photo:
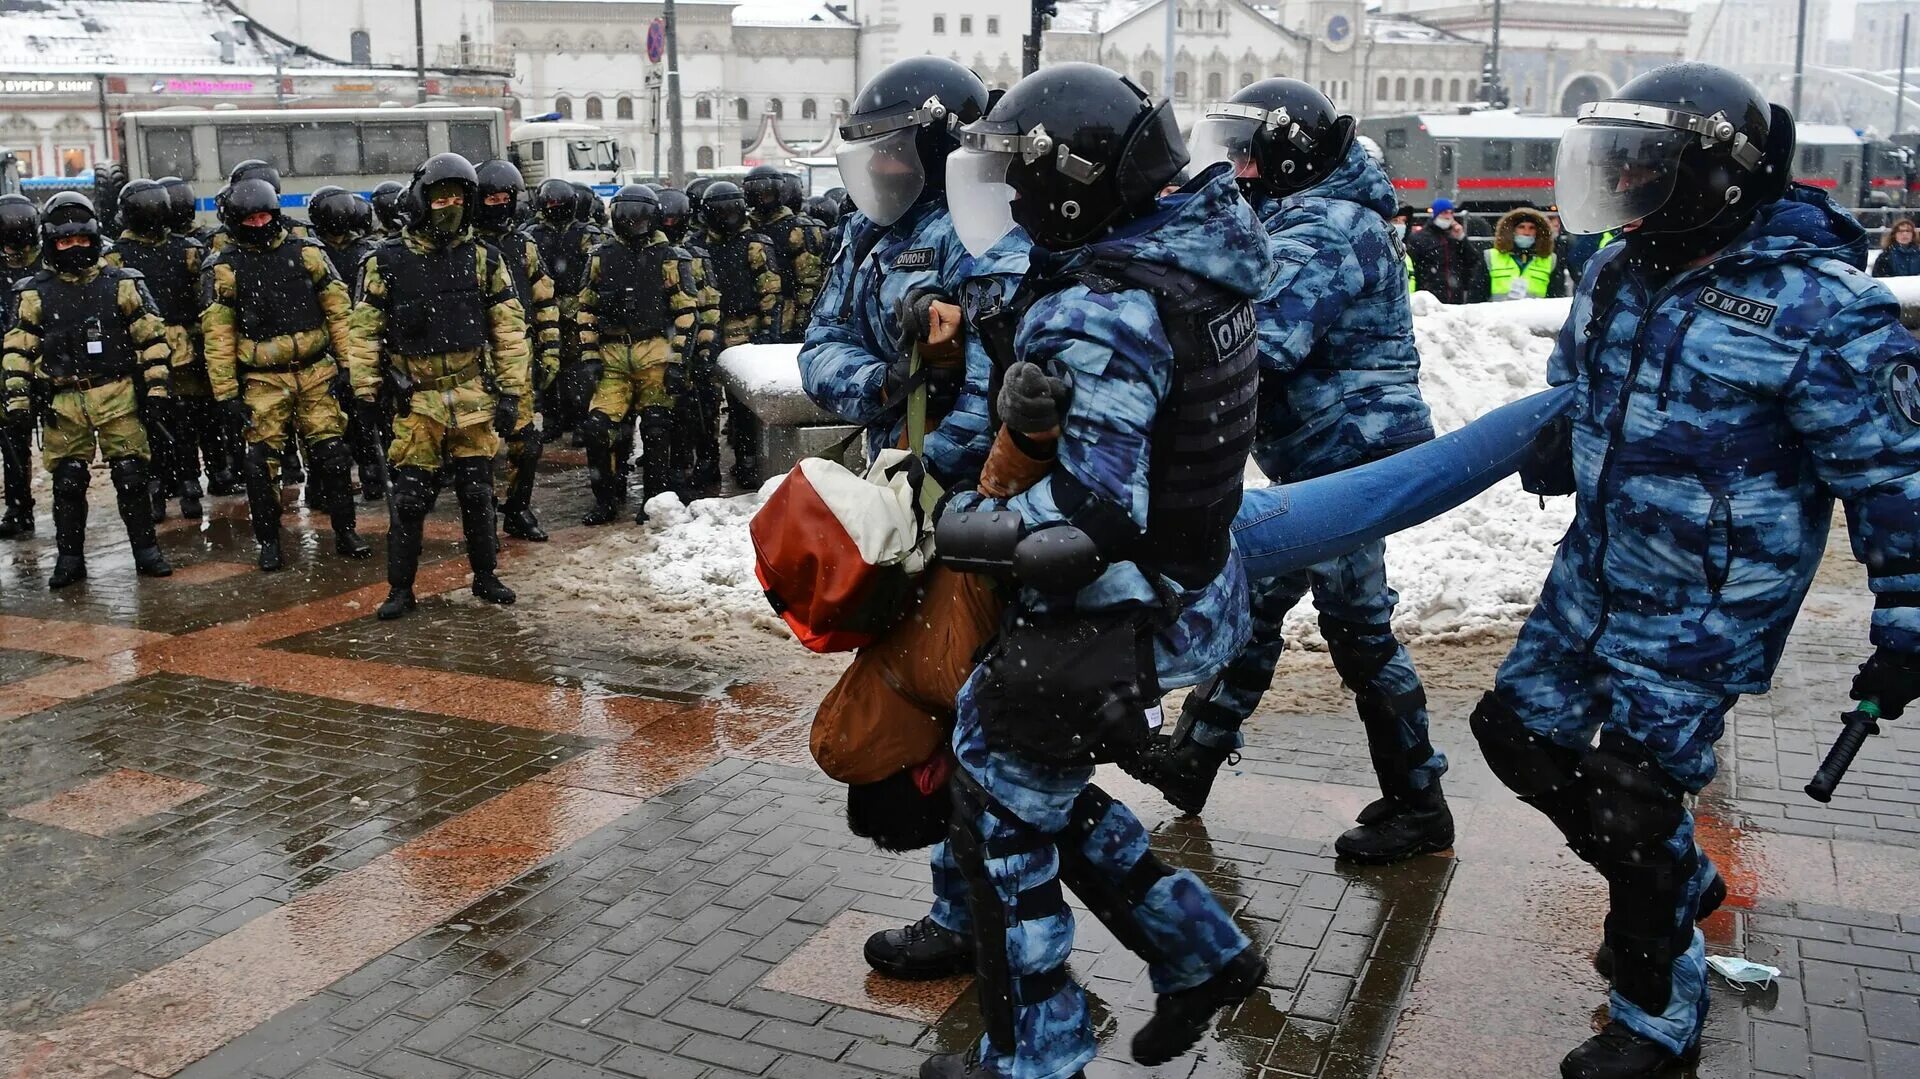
(1565, 694)
(1356, 611)
(1182, 924)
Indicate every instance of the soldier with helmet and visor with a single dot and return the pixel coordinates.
(496, 223)
(19, 260)
(170, 264)
(85, 344)
(389, 210)
(438, 320)
(274, 322)
(797, 247)
(565, 240)
(342, 221)
(1340, 386)
(638, 317)
(1735, 369)
(1134, 330)
(697, 412)
(746, 275)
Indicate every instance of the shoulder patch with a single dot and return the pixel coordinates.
(1903, 389)
(919, 258)
(1233, 329)
(1740, 307)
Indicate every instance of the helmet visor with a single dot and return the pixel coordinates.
(1609, 175)
(1224, 138)
(979, 198)
(883, 174)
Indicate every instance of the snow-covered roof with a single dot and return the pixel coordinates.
(796, 13)
(1398, 29)
(1096, 16)
(127, 36)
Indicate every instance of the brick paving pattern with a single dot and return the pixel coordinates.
(1848, 1000)
(302, 788)
(509, 642)
(640, 952)
(18, 665)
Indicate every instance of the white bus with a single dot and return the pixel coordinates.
(358, 149)
(546, 148)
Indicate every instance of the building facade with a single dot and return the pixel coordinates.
(1876, 34)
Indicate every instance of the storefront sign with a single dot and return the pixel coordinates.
(353, 88)
(205, 86)
(48, 86)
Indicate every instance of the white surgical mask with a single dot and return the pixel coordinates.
(1523, 243)
(1443, 221)
(1400, 229)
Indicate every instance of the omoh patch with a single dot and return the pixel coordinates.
(917, 259)
(1760, 314)
(1903, 388)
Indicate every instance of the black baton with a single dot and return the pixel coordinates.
(1861, 723)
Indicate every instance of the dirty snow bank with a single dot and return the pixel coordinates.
(687, 575)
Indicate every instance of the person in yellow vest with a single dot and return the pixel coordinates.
(1400, 222)
(1521, 264)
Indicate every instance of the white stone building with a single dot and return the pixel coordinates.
(382, 31)
(1876, 35)
(1752, 35)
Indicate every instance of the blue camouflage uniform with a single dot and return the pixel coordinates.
(1716, 415)
(1121, 363)
(854, 335)
(1340, 385)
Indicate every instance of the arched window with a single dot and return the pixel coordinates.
(1380, 89)
(563, 106)
(1400, 88)
(1216, 86)
(840, 106)
(1220, 19)
(703, 158)
(1180, 19)
(1419, 89)
(623, 109)
(360, 47)
(703, 108)
(939, 24)
(594, 111)
(1150, 80)
(1453, 90)
(775, 108)
(1246, 78)
(809, 110)
(740, 107)
(1182, 84)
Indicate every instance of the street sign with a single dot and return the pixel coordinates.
(656, 40)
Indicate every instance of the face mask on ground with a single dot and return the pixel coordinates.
(1443, 222)
(1523, 243)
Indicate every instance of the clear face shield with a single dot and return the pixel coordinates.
(1226, 134)
(1621, 162)
(979, 199)
(880, 162)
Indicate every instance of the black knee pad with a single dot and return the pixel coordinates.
(1530, 766)
(1359, 651)
(130, 475)
(331, 455)
(473, 479)
(1636, 805)
(526, 454)
(597, 430)
(70, 479)
(999, 991)
(1110, 899)
(261, 459)
(411, 491)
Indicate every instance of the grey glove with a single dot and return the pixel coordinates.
(1032, 402)
(912, 314)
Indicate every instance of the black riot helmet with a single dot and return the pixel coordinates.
(1069, 153)
(584, 202)
(498, 178)
(763, 189)
(255, 169)
(241, 209)
(555, 201)
(723, 208)
(635, 213)
(822, 209)
(145, 207)
(389, 205)
(656, 188)
(1280, 135)
(901, 130)
(362, 219)
(793, 194)
(19, 223)
(69, 216)
(181, 201)
(331, 209)
(676, 212)
(440, 177)
(1681, 159)
(697, 190)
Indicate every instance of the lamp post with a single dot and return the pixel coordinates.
(654, 81)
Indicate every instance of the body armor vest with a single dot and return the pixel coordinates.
(173, 287)
(82, 332)
(272, 291)
(11, 276)
(560, 249)
(346, 262)
(782, 250)
(1202, 433)
(434, 300)
(511, 246)
(739, 292)
(631, 295)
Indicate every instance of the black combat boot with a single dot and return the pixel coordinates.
(190, 495)
(1399, 826)
(69, 523)
(157, 495)
(411, 498)
(1710, 901)
(16, 466)
(1180, 1018)
(657, 476)
(1181, 769)
(131, 491)
(473, 485)
(16, 523)
(1619, 1053)
(516, 511)
(263, 505)
(603, 480)
(921, 951)
(333, 477)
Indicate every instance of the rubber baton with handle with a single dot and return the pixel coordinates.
(1861, 723)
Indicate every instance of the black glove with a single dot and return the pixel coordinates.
(341, 385)
(368, 414)
(1031, 401)
(236, 412)
(20, 419)
(506, 414)
(160, 411)
(1889, 679)
(912, 313)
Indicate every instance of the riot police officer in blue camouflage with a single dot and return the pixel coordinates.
(1136, 316)
(1735, 371)
(1340, 386)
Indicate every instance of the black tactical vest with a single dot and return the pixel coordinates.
(346, 262)
(734, 277)
(511, 246)
(631, 295)
(1203, 431)
(10, 277)
(561, 249)
(172, 285)
(434, 301)
(782, 249)
(82, 332)
(272, 291)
